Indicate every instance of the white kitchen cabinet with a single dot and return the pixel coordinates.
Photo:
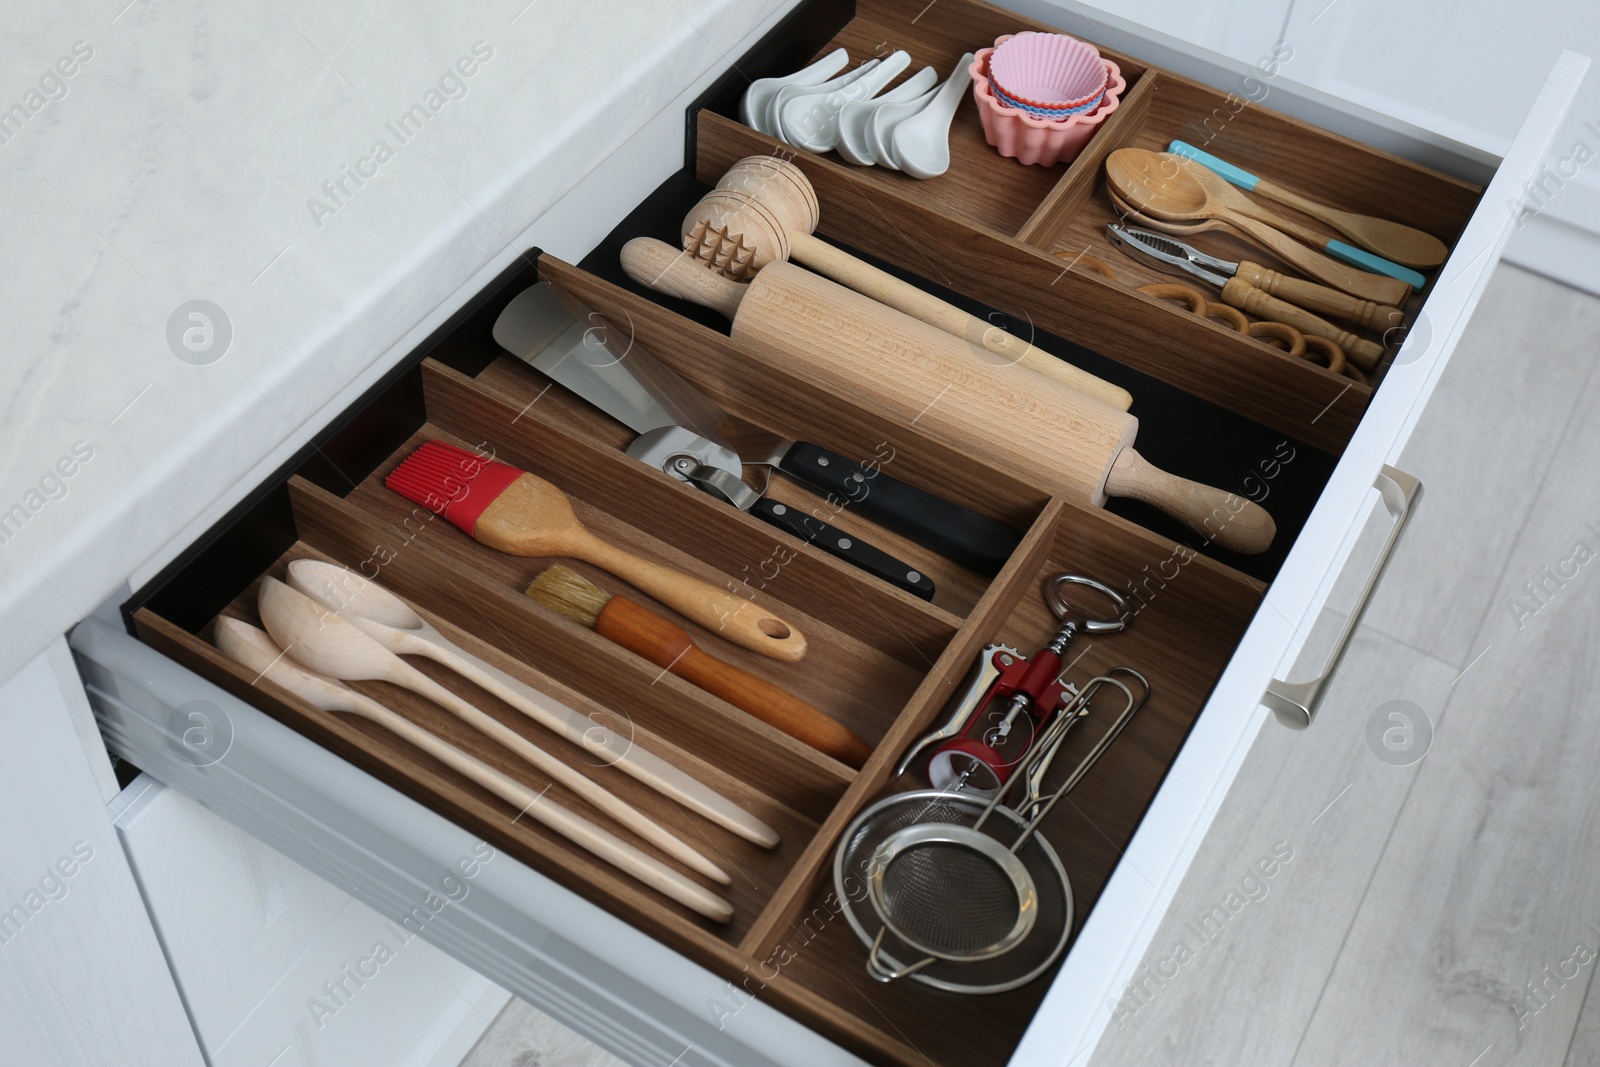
(83, 980)
(645, 1002)
(278, 966)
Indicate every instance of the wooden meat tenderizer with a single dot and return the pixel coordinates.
(848, 344)
(669, 646)
(764, 210)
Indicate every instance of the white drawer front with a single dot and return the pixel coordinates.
(1118, 931)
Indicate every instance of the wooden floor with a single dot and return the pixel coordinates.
(1442, 909)
(1440, 906)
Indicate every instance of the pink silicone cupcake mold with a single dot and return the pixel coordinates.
(1026, 138)
(1049, 71)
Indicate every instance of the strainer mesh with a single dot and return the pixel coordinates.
(949, 898)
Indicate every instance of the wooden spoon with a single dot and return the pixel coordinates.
(316, 638)
(1217, 187)
(1174, 193)
(397, 626)
(1394, 240)
(256, 651)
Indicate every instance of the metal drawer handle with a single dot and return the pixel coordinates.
(1295, 703)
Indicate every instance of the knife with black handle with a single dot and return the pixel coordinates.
(955, 532)
(836, 542)
(575, 347)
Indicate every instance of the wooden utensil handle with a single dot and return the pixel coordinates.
(722, 611)
(1233, 522)
(1320, 298)
(904, 297)
(1363, 353)
(589, 790)
(575, 828)
(1403, 244)
(670, 647)
(675, 272)
(627, 755)
(1352, 280)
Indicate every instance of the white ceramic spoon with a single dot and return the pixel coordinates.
(753, 107)
(319, 639)
(397, 626)
(885, 119)
(921, 144)
(257, 652)
(855, 118)
(811, 121)
(781, 99)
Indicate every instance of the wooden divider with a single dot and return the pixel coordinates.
(1077, 184)
(721, 536)
(1295, 397)
(785, 404)
(457, 584)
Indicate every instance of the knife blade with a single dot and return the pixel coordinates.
(576, 348)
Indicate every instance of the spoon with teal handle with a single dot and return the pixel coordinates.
(1225, 195)
(1402, 244)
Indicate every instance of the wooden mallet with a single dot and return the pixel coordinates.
(765, 210)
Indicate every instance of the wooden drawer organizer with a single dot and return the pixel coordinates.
(881, 661)
(1008, 234)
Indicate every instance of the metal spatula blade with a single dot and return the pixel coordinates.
(581, 350)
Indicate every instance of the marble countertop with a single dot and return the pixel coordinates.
(225, 221)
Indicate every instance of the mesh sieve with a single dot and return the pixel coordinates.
(943, 902)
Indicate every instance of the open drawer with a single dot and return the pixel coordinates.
(784, 981)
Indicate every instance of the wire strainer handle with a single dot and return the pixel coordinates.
(1093, 755)
(880, 972)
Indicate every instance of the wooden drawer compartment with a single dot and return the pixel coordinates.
(880, 660)
(992, 236)
(1016, 237)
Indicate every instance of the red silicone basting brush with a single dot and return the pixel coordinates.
(521, 514)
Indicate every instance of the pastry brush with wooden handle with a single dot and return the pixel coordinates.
(521, 514)
(669, 646)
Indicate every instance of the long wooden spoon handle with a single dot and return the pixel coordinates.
(1402, 244)
(1359, 258)
(1367, 286)
(593, 792)
(625, 754)
(1393, 240)
(1237, 293)
(669, 646)
(1321, 298)
(573, 827)
(675, 272)
(904, 297)
(725, 612)
(1233, 522)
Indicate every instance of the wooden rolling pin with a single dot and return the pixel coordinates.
(850, 345)
(764, 211)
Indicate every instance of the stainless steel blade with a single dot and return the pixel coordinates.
(1170, 255)
(581, 350)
